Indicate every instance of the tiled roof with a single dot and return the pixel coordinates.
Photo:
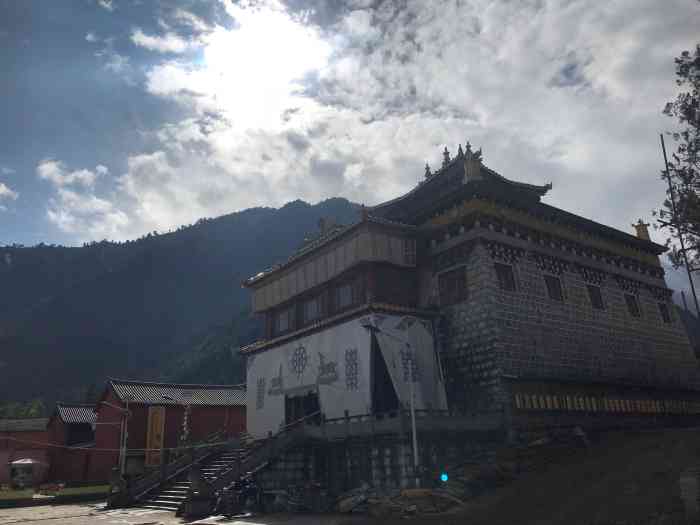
(35, 424)
(158, 393)
(76, 413)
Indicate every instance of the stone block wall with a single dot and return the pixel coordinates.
(384, 463)
(496, 336)
(470, 335)
(539, 337)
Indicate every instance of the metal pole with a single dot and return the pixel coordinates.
(121, 445)
(685, 303)
(680, 232)
(413, 419)
(125, 416)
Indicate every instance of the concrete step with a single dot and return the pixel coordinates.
(168, 505)
(156, 506)
(170, 497)
(171, 492)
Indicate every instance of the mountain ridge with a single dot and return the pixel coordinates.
(159, 307)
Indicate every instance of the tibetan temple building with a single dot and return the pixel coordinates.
(475, 302)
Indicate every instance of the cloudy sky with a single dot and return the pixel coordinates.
(122, 117)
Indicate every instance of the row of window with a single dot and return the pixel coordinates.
(605, 404)
(339, 298)
(453, 289)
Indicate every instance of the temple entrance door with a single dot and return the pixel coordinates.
(300, 406)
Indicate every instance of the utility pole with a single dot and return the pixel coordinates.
(413, 415)
(123, 433)
(672, 194)
(414, 435)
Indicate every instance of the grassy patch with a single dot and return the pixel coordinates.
(77, 491)
(16, 494)
(92, 489)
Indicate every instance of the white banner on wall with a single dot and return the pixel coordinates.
(336, 363)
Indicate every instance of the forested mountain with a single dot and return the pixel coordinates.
(166, 306)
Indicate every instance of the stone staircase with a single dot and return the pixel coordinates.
(174, 493)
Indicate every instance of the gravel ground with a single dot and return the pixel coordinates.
(96, 514)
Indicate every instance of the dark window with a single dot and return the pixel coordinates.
(453, 286)
(312, 310)
(283, 320)
(554, 287)
(595, 296)
(343, 296)
(632, 305)
(665, 314)
(506, 279)
(409, 251)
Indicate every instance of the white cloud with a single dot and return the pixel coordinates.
(7, 171)
(570, 93)
(107, 4)
(168, 43)
(191, 20)
(91, 37)
(116, 63)
(56, 173)
(85, 215)
(7, 194)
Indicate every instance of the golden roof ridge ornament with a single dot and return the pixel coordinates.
(472, 164)
(642, 229)
(445, 157)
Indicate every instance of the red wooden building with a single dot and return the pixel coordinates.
(71, 431)
(23, 439)
(156, 413)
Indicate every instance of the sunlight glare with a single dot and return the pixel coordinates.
(252, 70)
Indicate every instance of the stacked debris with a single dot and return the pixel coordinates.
(385, 503)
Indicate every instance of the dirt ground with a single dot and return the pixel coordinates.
(624, 479)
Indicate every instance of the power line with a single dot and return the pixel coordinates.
(56, 445)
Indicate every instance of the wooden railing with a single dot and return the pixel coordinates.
(194, 453)
(264, 451)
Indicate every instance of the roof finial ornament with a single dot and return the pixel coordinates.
(445, 157)
(642, 229)
(428, 174)
(460, 153)
(469, 147)
(363, 213)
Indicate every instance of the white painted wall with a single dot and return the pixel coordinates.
(325, 362)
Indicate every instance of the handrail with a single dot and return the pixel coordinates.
(144, 484)
(273, 444)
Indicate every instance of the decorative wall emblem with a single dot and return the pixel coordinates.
(327, 371)
(299, 361)
(408, 364)
(276, 384)
(260, 394)
(549, 264)
(352, 369)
